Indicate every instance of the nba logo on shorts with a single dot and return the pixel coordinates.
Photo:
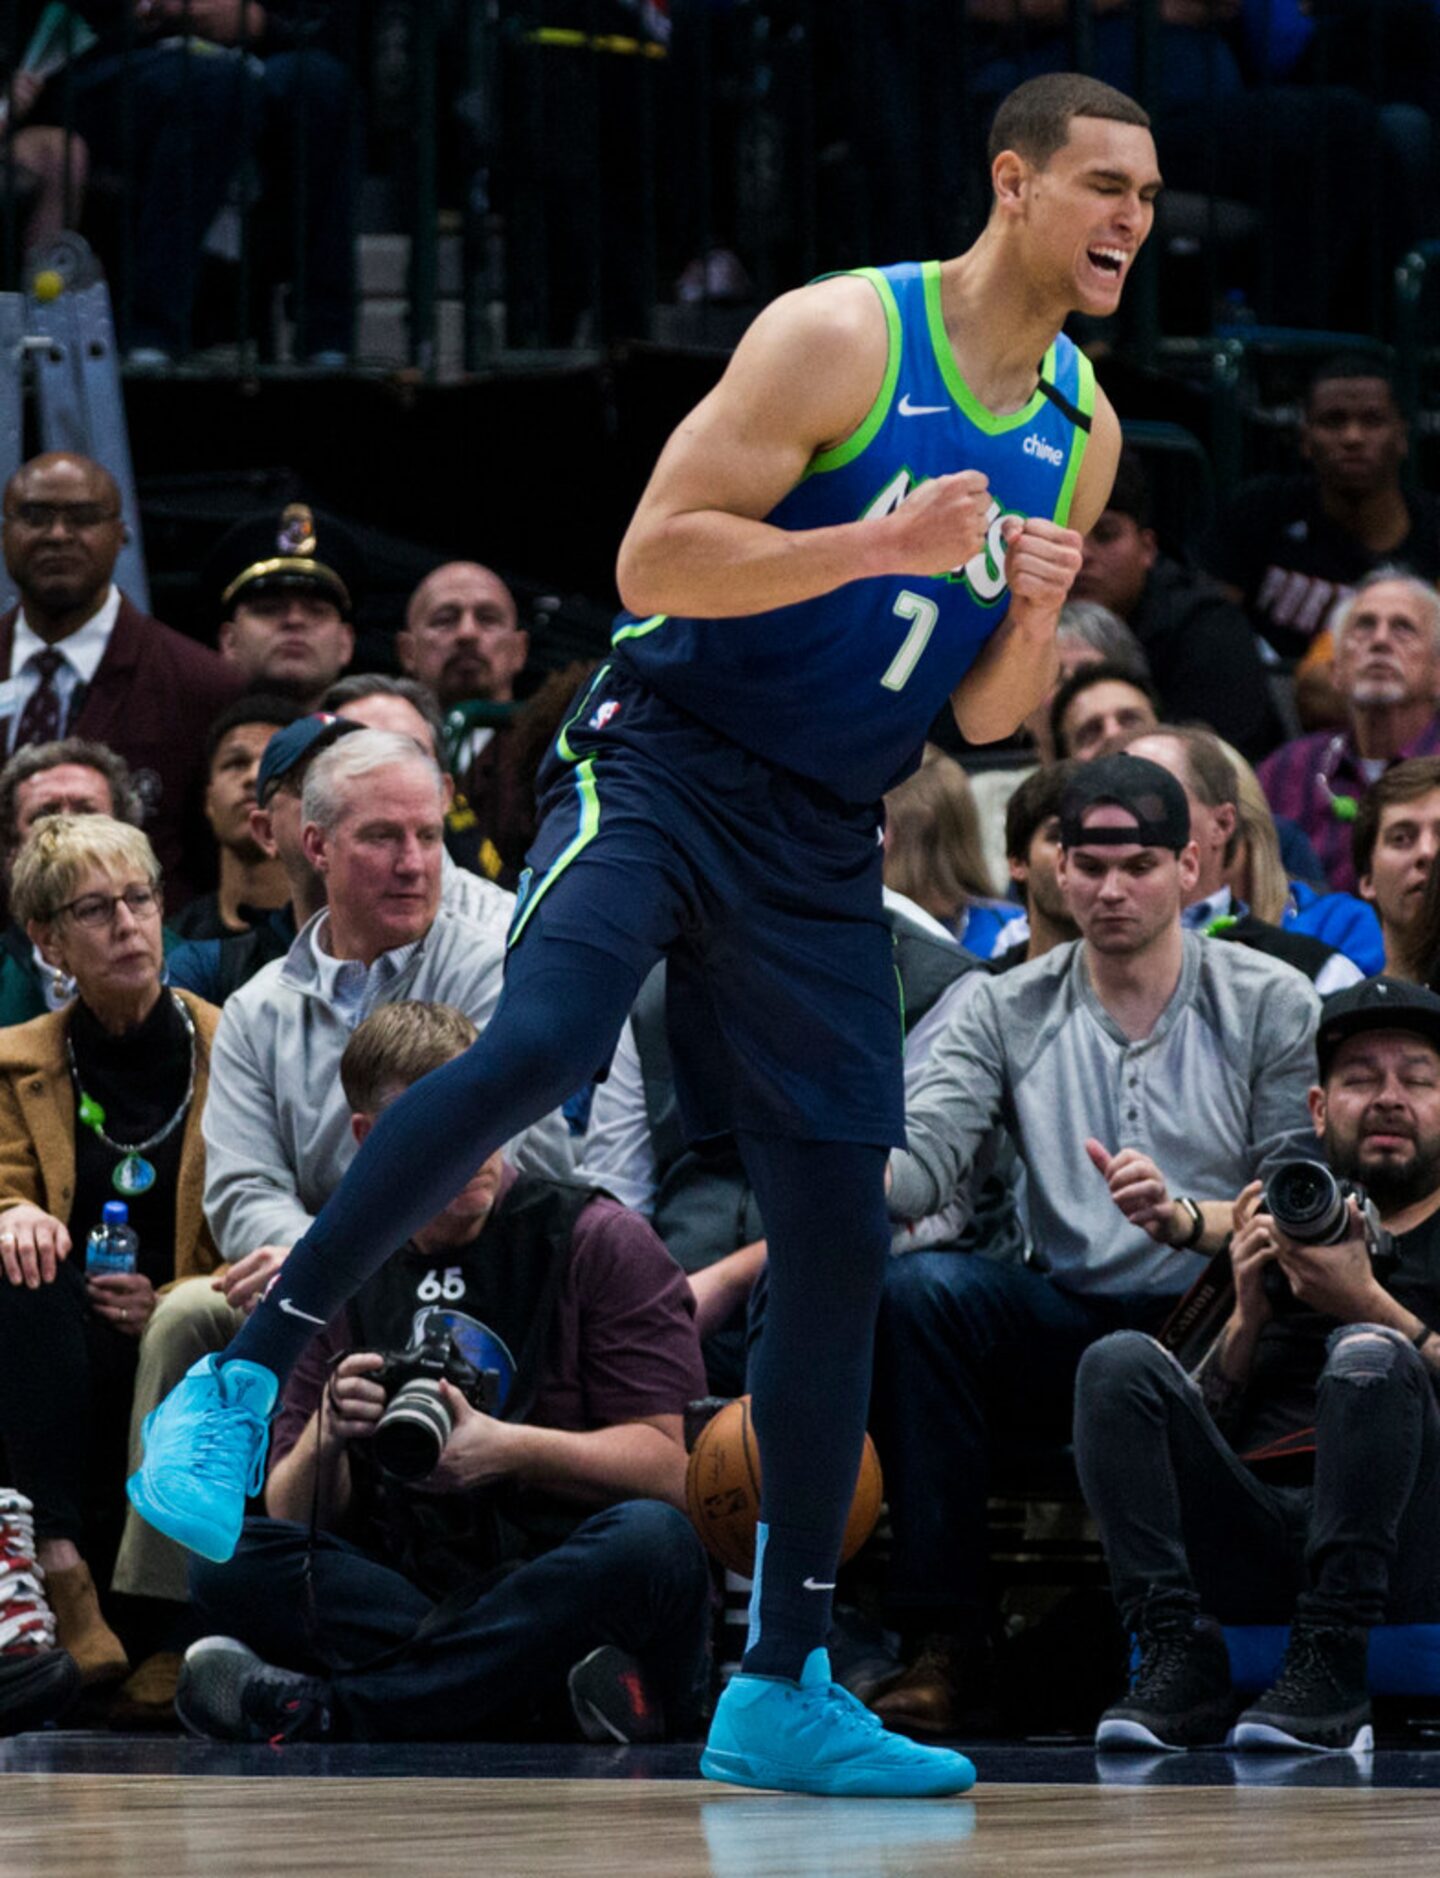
(603, 714)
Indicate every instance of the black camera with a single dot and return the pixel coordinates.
(1309, 1204)
(410, 1435)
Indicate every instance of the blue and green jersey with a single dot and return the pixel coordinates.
(843, 687)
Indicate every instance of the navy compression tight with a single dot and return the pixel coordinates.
(822, 1203)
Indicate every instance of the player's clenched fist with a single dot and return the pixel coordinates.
(939, 526)
(1041, 561)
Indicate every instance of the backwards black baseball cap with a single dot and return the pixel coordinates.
(1141, 788)
(1375, 1004)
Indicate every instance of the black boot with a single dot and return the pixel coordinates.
(1180, 1694)
(1321, 1698)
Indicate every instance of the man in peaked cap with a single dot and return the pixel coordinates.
(286, 585)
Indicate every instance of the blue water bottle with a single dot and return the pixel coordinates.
(113, 1244)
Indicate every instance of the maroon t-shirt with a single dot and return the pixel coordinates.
(623, 1343)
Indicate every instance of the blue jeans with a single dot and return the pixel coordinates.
(972, 1357)
(634, 1575)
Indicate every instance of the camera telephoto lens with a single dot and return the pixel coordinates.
(411, 1435)
(1306, 1202)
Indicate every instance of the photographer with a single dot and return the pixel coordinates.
(450, 1605)
(1330, 1374)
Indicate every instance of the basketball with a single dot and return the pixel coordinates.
(722, 1490)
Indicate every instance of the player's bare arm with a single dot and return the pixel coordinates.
(802, 380)
(1018, 666)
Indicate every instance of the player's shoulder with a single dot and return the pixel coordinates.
(829, 318)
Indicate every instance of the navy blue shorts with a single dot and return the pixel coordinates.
(659, 836)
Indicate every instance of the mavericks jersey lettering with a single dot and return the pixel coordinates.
(843, 688)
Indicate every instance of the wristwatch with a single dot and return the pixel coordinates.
(1191, 1209)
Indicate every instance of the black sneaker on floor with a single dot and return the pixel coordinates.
(37, 1685)
(227, 1693)
(613, 1700)
(1320, 1701)
(1180, 1694)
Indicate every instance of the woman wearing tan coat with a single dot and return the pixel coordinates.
(100, 1101)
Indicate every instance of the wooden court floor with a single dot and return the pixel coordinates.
(166, 1826)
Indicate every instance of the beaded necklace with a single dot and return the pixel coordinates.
(133, 1174)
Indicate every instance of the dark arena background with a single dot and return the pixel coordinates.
(440, 277)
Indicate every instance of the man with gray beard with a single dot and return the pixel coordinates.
(1387, 670)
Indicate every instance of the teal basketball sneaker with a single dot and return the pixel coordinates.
(205, 1455)
(815, 1737)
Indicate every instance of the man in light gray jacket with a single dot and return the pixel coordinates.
(277, 1137)
(1145, 1074)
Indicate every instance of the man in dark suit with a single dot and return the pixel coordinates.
(78, 659)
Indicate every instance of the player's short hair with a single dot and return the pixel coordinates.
(1035, 119)
(1034, 803)
(396, 1046)
(1401, 783)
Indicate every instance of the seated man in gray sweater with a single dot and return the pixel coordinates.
(1145, 1074)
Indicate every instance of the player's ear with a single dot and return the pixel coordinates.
(1008, 175)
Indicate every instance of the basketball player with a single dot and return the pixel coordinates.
(879, 506)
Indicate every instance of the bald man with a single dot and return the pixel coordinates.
(462, 639)
(78, 659)
(462, 636)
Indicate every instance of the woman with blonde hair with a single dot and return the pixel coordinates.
(934, 856)
(100, 1101)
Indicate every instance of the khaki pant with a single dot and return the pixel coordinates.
(189, 1322)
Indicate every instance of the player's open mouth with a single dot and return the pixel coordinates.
(1109, 261)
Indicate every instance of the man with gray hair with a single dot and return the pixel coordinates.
(276, 1125)
(1387, 671)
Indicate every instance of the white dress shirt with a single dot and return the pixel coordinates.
(81, 654)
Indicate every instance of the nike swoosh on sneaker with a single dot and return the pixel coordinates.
(811, 1585)
(293, 1310)
(907, 409)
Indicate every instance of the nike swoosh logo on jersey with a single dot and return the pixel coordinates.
(907, 409)
(811, 1585)
(293, 1310)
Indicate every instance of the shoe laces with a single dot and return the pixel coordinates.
(1309, 1666)
(1164, 1660)
(295, 1715)
(230, 1447)
(836, 1707)
(25, 1618)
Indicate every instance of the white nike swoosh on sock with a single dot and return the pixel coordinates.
(293, 1310)
(810, 1585)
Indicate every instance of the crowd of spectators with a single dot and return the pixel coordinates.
(252, 894)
